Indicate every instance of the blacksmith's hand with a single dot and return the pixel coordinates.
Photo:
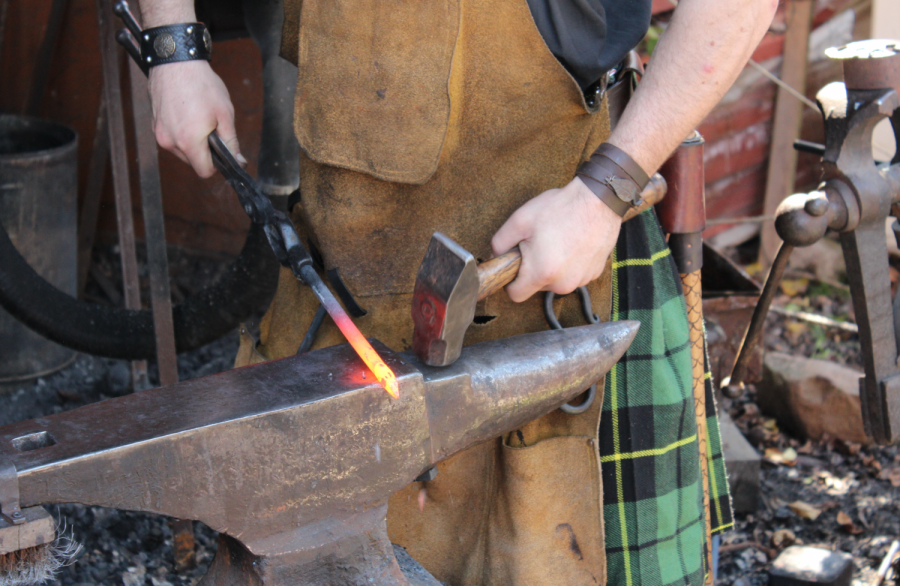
(190, 101)
(565, 236)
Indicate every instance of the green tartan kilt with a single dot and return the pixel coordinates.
(653, 501)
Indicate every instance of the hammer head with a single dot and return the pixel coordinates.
(443, 301)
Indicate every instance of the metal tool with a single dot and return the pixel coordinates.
(278, 227)
(587, 309)
(854, 200)
(293, 461)
(450, 283)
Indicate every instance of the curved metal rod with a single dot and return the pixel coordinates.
(733, 386)
(553, 322)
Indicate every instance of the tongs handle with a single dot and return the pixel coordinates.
(278, 228)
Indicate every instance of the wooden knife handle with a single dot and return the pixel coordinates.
(498, 272)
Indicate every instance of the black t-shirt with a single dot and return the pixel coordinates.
(589, 37)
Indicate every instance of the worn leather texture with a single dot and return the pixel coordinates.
(525, 509)
(372, 98)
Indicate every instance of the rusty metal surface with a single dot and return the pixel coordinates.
(154, 228)
(112, 97)
(870, 64)
(865, 249)
(855, 199)
(296, 458)
(734, 385)
(10, 509)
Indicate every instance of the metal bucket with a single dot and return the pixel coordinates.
(38, 209)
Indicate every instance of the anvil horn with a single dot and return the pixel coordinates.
(293, 461)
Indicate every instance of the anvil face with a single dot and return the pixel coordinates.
(296, 458)
(251, 452)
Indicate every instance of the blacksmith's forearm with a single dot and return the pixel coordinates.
(162, 12)
(701, 53)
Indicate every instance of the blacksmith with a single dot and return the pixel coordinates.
(475, 118)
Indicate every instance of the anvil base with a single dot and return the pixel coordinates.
(361, 555)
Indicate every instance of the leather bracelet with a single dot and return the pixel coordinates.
(605, 195)
(625, 162)
(173, 43)
(610, 184)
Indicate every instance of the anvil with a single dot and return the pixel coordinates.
(293, 461)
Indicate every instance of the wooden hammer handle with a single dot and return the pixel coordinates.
(498, 272)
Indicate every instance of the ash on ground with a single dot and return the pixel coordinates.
(827, 493)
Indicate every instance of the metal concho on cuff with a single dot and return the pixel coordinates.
(614, 177)
(174, 43)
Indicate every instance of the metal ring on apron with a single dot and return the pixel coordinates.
(554, 324)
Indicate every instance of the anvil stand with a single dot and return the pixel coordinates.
(293, 461)
(855, 199)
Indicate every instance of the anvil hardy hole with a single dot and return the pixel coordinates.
(483, 319)
(33, 441)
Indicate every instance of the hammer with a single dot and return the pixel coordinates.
(450, 283)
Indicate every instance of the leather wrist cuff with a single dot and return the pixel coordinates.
(173, 43)
(624, 161)
(611, 184)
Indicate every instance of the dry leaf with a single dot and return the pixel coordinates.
(754, 268)
(770, 425)
(796, 327)
(847, 525)
(806, 448)
(794, 287)
(805, 510)
(790, 456)
(787, 457)
(783, 538)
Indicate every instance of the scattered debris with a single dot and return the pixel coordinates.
(811, 565)
(783, 538)
(840, 477)
(887, 564)
(805, 510)
(814, 318)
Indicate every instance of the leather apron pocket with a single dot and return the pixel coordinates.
(546, 515)
(372, 94)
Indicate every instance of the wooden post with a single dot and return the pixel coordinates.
(786, 125)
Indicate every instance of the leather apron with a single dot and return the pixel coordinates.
(415, 117)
